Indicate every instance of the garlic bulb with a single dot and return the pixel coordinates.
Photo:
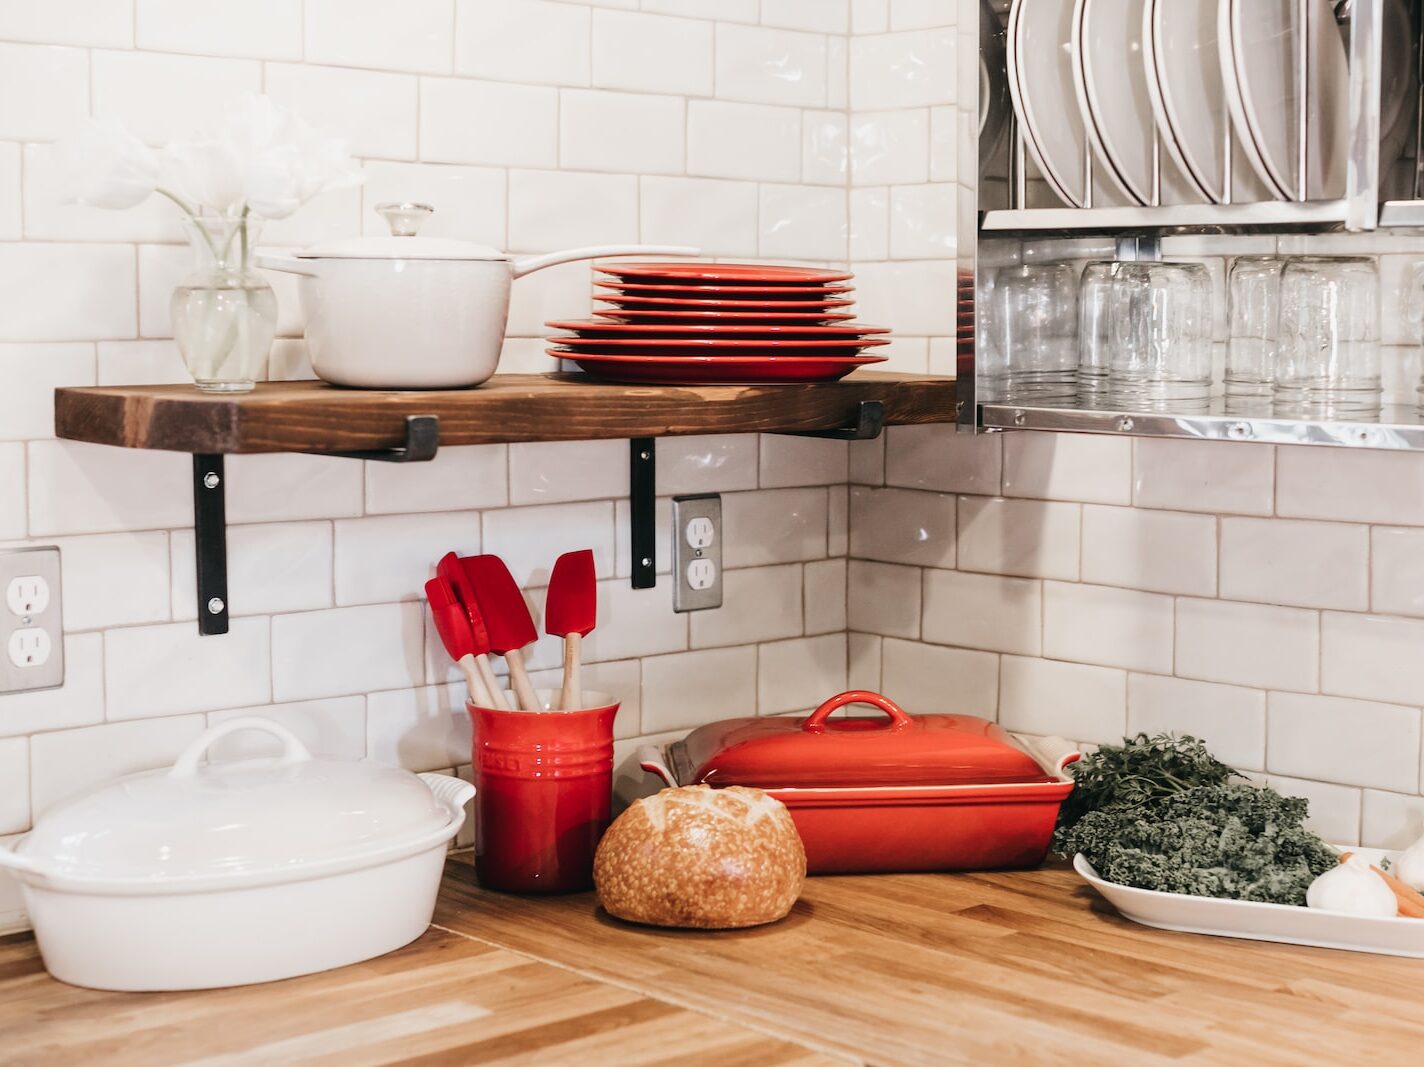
(1410, 868)
(1354, 889)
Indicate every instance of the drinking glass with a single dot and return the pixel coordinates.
(1159, 322)
(1413, 312)
(1094, 341)
(1032, 323)
(1328, 361)
(1253, 311)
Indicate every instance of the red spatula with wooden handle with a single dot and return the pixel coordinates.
(452, 572)
(571, 612)
(453, 626)
(506, 618)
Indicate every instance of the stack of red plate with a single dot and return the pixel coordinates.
(719, 323)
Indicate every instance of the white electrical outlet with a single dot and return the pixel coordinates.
(697, 552)
(31, 623)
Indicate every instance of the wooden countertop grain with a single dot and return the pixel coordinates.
(998, 968)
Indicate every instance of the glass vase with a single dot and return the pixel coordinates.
(224, 312)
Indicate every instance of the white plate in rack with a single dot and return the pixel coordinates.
(1256, 921)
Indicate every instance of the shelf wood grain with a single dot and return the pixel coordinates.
(315, 417)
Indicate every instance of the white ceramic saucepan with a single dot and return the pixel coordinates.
(409, 312)
(223, 874)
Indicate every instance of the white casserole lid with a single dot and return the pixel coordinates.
(404, 219)
(248, 817)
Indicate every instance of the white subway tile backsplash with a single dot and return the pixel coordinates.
(867, 461)
(798, 675)
(889, 147)
(1029, 538)
(791, 461)
(551, 209)
(824, 148)
(13, 522)
(983, 611)
(911, 69)
(31, 373)
(1039, 696)
(621, 131)
(770, 66)
(282, 567)
(415, 35)
(523, 41)
(162, 97)
(755, 142)
(15, 796)
(327, 96)
(722, 10)
(758, 604)
(530, 539)
(773, 526)
(457, 479)
(691, 688)
(913, 296)
(66, 763)
(347, 650)
(1220, 476)
(920, 14)
(652, 53)
(719, 217)
(1355, 485)
(1092, 468)
(1230, 719)
(558, 292)
(838, 532)
(929, 680)
(1248, 644)
(1158, 551)
(102, 23)
(81, 488)
(552, 472)
(79, 702)
(268, 29)
(491, 123)
(469, 202)
(922, 221)
(869, 16)
(822, 16)
(825, 596)
(1110, 627)
(67, 292)
(902, 526)
(634, 622)
(883, 598)
(11, 209)
(142, 363)
(1306, 564)
(49, 218)
(44, 91)
(869, 229)
(1372, 656)
(945, 132)
(1390, 820)
(425, 729)
(802, 222)
(387, 558)
(706, 464)
(1397, 570)
(943, 459)
(1352, 742)
(114, 580)
(1333, 812)
(330, 729)
(270, 487)
(152, 671)
(863, 668)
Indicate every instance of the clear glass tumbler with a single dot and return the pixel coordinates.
(1094, 341)
(1159, 323)
(1328, 360)
(1412, 311)
(1032, 354)
(1253, 311)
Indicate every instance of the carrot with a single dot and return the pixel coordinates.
(1411, 904)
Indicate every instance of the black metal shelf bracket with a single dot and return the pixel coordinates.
(869, 422)
(642, 510)
(422, 440)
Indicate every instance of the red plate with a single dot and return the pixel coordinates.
(693, 346)
(849, 331)
(663, 304)
(726, 273)
(731, 292)
(769, 318)
(716, 370)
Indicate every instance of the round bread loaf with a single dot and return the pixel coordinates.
(701, 857)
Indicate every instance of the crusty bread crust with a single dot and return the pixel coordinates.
(700, 857)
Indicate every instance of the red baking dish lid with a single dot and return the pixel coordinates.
(819, 752)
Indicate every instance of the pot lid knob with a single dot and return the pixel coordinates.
(404, 218)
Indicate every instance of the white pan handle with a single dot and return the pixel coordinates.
(23, 865)
(1053, 754)
(293, 751)
(453, 792)
(284, 263)
(532, 263)
(652, 760)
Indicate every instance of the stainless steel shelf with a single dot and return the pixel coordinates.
(1398, 429)
(1275, 216)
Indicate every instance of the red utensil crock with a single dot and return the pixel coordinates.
(544, 786)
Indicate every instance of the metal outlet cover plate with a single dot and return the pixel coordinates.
(19, 563)
(687, 559)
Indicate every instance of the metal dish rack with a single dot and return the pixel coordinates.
(1381, 196)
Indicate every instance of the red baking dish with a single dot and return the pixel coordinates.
(902, 793)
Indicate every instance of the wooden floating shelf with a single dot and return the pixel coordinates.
(316, 417)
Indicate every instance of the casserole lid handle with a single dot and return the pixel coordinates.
(293, 751)
(815, 722)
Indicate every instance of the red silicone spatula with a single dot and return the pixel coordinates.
(453, 626)
(571, 612)
(452, 571)
(506, 618)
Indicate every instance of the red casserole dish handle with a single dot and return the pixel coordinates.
(652, 760)
(815, 722)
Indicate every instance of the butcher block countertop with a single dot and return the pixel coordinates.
(995, 968)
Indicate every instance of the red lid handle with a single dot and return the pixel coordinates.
(817, 719)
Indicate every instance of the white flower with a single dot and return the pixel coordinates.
(206, 174)
(104, 165)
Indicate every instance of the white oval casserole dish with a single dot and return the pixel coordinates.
(223, 874)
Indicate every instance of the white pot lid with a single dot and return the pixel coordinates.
(404, 219)
(198, 819)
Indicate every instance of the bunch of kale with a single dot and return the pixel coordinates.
(1162, 813)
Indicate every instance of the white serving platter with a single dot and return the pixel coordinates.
(1262, 922)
